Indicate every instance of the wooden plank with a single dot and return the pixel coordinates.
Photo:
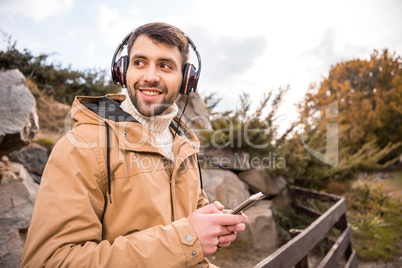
(338, 249)
(326, 197)
(293, 251)
(352, 261)
(303, 263)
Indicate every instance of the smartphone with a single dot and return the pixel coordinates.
(248, 203)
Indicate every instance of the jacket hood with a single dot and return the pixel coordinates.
(99, 109)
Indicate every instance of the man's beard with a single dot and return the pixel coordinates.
(155, 109)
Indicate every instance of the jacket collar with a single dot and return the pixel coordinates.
(131, 134)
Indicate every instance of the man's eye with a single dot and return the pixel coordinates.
(165, 66)
(139, 63)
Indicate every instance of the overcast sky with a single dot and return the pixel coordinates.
(246, 46)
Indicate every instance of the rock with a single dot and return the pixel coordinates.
(261, 232)
(259, 180)
(196, 114)
(376, 176)
(225, 158)
(33, 157)
(224, 186)
(18, 117)
(36, 178)
(17, 196)
(280, 183)
(281, 199)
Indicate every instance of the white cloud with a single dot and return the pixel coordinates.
(36, 9)
(72, 33)
(115, 23)
(110, 24)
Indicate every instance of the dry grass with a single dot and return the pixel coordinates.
(52, 114)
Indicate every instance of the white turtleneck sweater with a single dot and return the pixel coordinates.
(157, 125)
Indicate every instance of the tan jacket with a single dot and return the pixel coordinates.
(142, 222)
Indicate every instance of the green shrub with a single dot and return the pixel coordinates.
(376, 222)
(46, 142)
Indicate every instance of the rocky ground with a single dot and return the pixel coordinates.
(241, 255)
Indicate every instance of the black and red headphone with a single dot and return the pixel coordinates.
(190, 73)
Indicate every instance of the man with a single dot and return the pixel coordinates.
(121, 189)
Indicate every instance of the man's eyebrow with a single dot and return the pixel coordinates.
(137, 56)
(170, 60)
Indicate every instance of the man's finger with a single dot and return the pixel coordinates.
(227, 238)
(229, 219)
(224, 245)
(236, 228)
(218, 205)
(227, 211)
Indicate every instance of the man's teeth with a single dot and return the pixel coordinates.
(150, 93)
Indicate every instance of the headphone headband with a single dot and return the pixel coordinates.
(190, 73)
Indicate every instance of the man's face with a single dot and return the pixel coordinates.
(154, 76)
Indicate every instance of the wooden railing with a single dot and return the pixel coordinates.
(294, 253)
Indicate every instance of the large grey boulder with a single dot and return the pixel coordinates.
(33, 157)
(18, 117)
(259, 180)
(226, 158)
(224, 186)
(196, 115)
(17, 196)
(261, 232)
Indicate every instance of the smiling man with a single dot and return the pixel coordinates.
(125, 149)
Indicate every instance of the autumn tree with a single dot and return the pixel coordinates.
(367, 97)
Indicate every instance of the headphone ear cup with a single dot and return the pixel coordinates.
(115, 74)
(188, 81)
(119, 71)
(125, 68)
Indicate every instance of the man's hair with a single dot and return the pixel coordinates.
(164, 33)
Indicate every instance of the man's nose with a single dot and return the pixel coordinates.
(151, 76)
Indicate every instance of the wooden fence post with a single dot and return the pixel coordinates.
(303, 263)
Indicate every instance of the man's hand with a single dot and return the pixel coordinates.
(225, 240)
(215, 226)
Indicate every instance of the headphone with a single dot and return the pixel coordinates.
(190, 73)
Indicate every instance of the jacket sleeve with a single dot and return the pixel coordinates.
(66, 226)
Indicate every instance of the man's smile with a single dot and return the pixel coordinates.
(150, 92)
